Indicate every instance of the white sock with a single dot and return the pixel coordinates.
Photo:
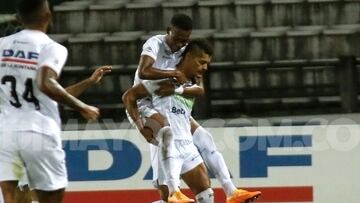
(160, 201)
(171, 167)
(213, 159)
(206, 196)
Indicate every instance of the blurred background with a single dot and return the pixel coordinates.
(272, 57)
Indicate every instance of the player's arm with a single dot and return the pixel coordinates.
(167, 88)
(48, 84)
(196, 90)
(129, 99)
(78, 88)
(51, 61)
(148, 72)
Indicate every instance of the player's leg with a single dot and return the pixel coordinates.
(195, 174)
(212, 157)
(45, 164)
(23, 194)
(11, 166)
(8, 189)
(214, 160)
(156, 121)
(198, 181)
(55, 196)
(171, 165)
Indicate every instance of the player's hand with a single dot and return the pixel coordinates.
(99, 73)
(166, 88)
(180, 77)
(90, 112)
(148, 135)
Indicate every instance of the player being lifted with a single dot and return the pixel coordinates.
(176, 151)
(30, 64)
(160, 55)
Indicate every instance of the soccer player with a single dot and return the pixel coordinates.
(160, 55)
(30, 64)
(23, 193)
(176, 151)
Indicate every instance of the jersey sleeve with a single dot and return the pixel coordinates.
(151, 48)
(54, 56)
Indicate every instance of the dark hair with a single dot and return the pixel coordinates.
(27, 10)
(199, 44)
(182, 21)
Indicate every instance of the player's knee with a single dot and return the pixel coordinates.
(203, 140)
(206, 196)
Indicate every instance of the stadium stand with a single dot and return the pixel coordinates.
(270, 55)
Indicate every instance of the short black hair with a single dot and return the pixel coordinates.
(27, 10)
(182, 21)
(199, 44)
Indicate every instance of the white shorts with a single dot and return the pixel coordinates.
(146, 110)
(186, 154)
(190, 161)
(42, 156)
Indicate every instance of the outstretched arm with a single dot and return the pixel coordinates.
(78, 88)
(47, 83)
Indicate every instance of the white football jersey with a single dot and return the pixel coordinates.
(165, 59)
(23, 107)
(157, 48)
(176, 108)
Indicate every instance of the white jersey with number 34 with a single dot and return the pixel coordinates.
(23, 107)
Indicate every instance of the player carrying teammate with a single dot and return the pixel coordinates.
(176, 151)
(160, 55)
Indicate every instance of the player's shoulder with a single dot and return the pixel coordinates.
(156, 39)
(53, 46)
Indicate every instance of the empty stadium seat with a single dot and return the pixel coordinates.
(340, 40)
(216, 14)
(69, 17)
(107, 16)
(169, 8)
(303, 42)
(87, 49)
(323, 12)
(143, 16)
(268, 44)
(286, 13)
(250, 13)
(123, 47)
(232, 45)
(349, 10)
